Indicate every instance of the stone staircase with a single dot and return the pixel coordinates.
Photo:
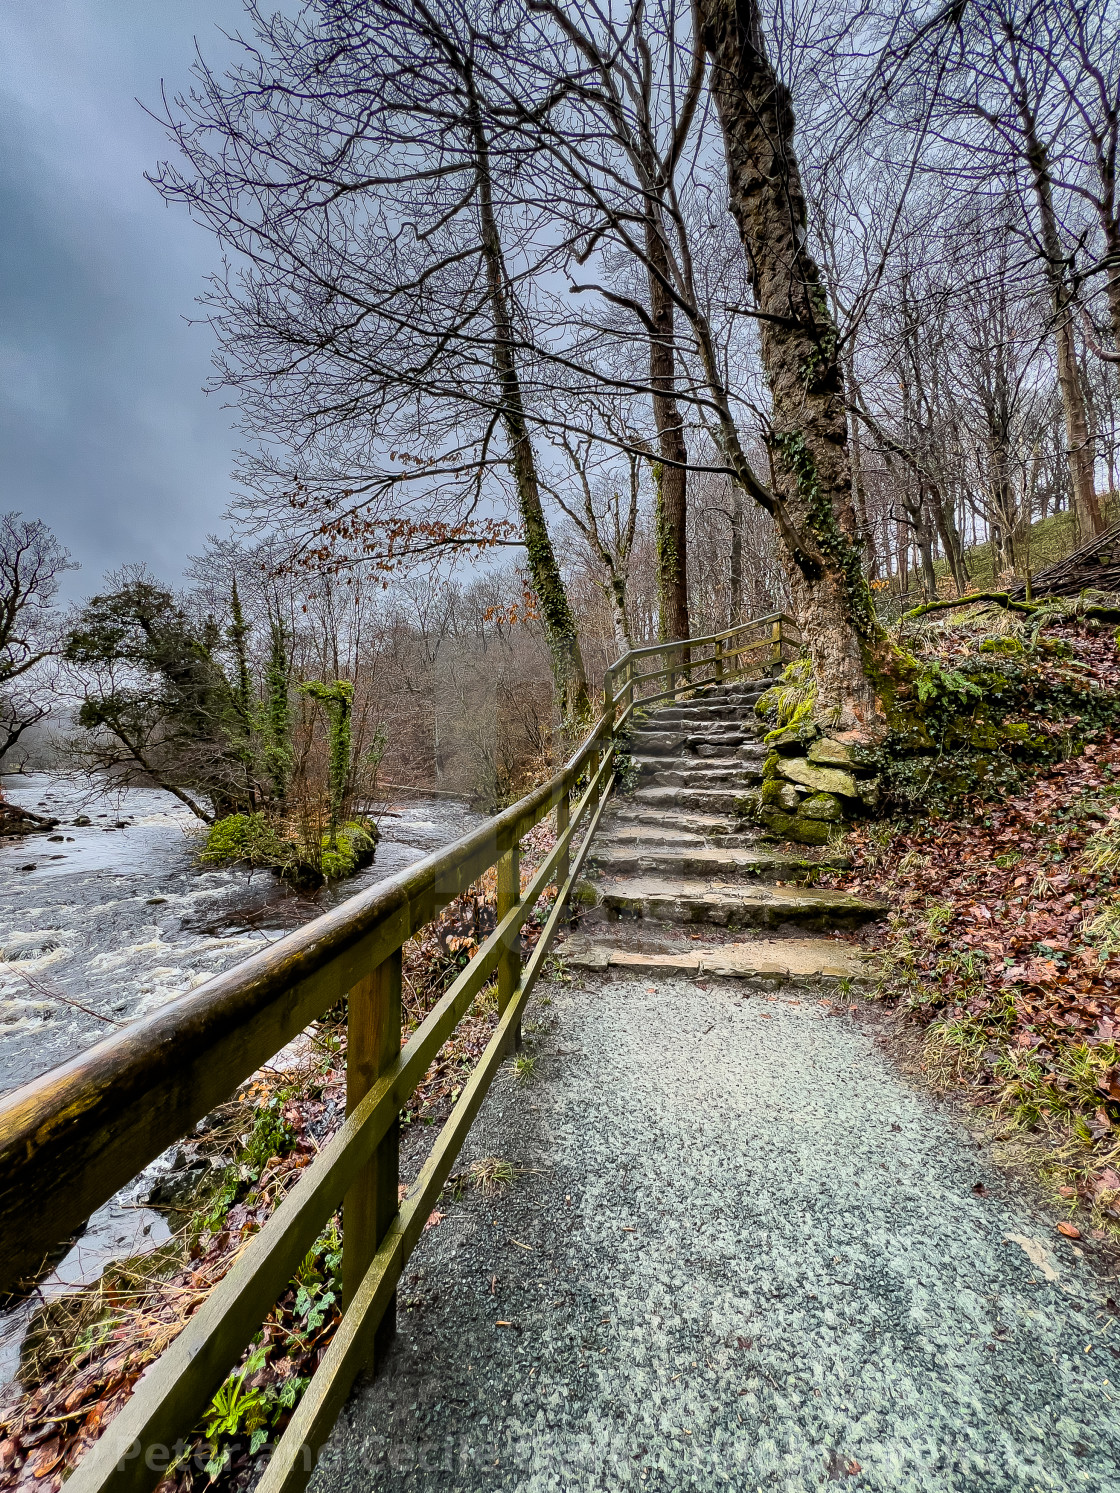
(684, 848)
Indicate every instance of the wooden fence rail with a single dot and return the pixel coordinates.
(71, 1139)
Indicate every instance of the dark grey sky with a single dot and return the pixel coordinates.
(104, 430)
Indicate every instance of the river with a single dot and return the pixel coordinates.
(109, 916)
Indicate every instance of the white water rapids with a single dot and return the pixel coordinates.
(104, 921)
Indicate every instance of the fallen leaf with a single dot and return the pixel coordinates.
(433, 1218)
(1070, 1230)
(853, 1467)
(1037, 1253)
(979, 1189)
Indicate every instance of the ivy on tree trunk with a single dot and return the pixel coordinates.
(811, 488)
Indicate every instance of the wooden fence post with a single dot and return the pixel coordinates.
(718, 660)
(509, 965)
(630, 683)
(776, 647)
(563, 819)
(373, 1042)
(667, 656)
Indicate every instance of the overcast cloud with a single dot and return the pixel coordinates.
(104, 430)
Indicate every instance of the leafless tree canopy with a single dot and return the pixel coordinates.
(701, 308)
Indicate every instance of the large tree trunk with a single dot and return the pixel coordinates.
(560, 624)
(672, 476)
(735, 597)
(952, 544)
(808, 439)
(1079, 446)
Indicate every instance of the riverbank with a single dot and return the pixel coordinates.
(104, 920)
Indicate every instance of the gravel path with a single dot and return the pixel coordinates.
(755, 1259)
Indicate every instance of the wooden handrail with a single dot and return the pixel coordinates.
(714, 637)
(72, 1138)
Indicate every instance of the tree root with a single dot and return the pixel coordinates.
(1001, 598)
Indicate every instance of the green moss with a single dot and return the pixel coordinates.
(337, 699)
(353, 848)
(792, 698)
(245, 837)
(981, 737)
(1007, 645)
(251, 839)
(834, 543)
(793, 827)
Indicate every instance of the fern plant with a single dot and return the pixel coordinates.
(792, 697)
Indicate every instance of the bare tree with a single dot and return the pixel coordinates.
(349, 161)
(31, 563)
(811, 495)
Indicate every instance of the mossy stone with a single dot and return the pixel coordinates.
(586, 894)
(823, 806)
(870, 793)
(795, 827)
(783, 795)
(747, 804)
(770, 765)
(819, 779)
(830, 753)
(792, 739)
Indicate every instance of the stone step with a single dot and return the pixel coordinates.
(718, 863)
(798, 961)
(752, 689)
(701, 713)
(708, 800)
(751, 905)
(648, 835)
(701, 743)
(625, 814)
(699, 774)
(752, 753)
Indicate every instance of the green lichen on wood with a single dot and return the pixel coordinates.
(278, 756)
(337, 700)
(559, 621)
(834, 543)
(667, 557)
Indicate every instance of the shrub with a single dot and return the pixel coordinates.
(245, 837)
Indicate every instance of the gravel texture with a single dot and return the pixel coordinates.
(756, 1260)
